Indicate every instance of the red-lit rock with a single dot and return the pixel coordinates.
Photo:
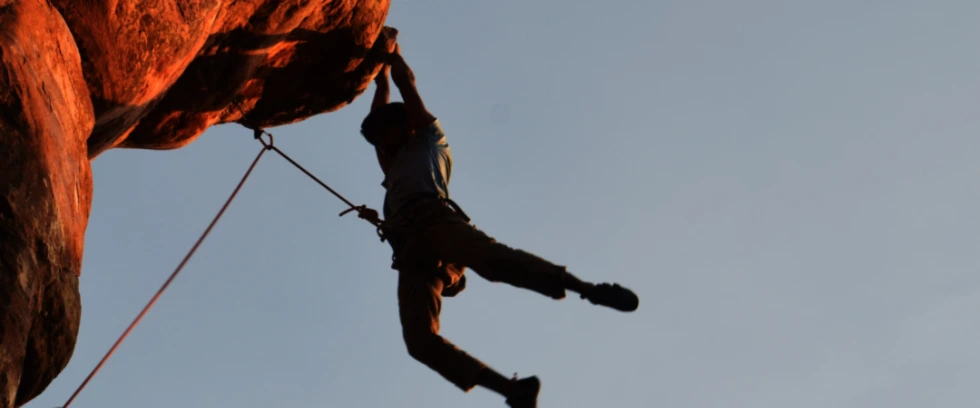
(78, 77)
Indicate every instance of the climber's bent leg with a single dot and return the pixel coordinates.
(419, 304)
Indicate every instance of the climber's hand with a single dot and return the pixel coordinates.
(404, 79)
(391, 41)
(368, 214)
(401, 74)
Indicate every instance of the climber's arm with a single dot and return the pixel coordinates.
(404, 79)
(382, 89)
(381, 99)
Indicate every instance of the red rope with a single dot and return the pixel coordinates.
(170, 279)
(266, 146)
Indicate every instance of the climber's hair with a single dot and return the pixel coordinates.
(392, 115)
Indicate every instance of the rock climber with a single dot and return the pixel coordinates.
(433, 241)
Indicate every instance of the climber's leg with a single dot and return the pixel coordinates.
(459, 242)
(419, 304)
(452, 239)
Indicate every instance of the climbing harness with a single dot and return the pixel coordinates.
(266, 146)
(407, 221)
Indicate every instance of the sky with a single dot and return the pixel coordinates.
(789, 186)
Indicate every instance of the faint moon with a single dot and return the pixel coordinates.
(500, 114)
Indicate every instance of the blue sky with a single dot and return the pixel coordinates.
(789, 186)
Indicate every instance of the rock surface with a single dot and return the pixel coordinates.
(79, 77)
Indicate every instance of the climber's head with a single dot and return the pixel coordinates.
(387, 127)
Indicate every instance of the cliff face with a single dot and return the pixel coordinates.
(79, 77)
(160, 72)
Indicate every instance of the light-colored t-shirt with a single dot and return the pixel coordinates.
(421, 166)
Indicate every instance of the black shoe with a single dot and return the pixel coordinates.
(614, 296)
(525, 393)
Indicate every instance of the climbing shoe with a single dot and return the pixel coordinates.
(525, 393)
(614, 296)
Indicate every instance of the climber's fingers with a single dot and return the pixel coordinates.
(390, 44)
(368, 214)
(389, 37)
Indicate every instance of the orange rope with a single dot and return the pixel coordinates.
(172, 276)
(265, 146)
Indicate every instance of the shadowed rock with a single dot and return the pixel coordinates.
(79, 77)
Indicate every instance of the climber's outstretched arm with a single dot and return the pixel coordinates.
(382, 89)
(404, 79)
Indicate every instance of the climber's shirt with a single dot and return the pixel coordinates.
(418, 174)
(421, 168)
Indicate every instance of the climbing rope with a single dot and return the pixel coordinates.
(170, 279)
(258, 133)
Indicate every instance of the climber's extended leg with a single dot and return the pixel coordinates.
(454, 240)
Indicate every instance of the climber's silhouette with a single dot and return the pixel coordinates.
(433, 241)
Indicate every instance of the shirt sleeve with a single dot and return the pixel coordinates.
(434, 134)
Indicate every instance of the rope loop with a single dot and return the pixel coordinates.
(358, 208)
(257, 133)
(379, 224)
